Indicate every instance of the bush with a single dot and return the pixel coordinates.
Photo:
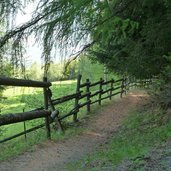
(162, 89)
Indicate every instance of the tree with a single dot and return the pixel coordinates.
(122, 32)
(54, 23)
(139, 43)
(34, 72)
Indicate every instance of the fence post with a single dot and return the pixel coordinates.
(125, 86)
(110, 97)
(100, 88)
(148, 84)
(88, 94)
(56, 119)
(122, 87)
(127, 83)
(47, 120)
(25, 134)
(77, 98)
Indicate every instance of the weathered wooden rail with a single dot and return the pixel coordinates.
(48, 111)
(20, 117)
(23, 83)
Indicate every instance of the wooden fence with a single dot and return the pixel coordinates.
(38, 113)
(83, 91)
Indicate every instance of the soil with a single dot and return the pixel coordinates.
(55, 155)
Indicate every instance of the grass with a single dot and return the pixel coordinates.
(18, 99)
(141, 131)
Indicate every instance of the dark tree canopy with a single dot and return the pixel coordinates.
(140, 42)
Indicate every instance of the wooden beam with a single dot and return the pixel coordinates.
(96, 93)
(23, 83)
(107, 82)
(96, 83)
(66, 98)
(20, 117)
(119, 80)
(47, 119)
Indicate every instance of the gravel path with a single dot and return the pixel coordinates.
(53, 156)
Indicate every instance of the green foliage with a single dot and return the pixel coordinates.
(71, 71)
(132, 35)
(92, 70)
(55, 72)
(5, 70)
(138, 39)
(34, 72)
(135, 42)
(162, 87)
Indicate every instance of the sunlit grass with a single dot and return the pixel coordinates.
(18, 99)
(64, 82)
(17, 91)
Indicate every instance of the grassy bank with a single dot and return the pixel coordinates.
(141, 131)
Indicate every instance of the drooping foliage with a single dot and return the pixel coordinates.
(129, 36)
(54, 24)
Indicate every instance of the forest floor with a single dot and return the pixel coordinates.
(99, 129)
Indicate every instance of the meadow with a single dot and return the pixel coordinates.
(19, 99)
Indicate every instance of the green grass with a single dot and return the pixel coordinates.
(18, 99)
(141, 131)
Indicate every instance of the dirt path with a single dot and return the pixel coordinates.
(55, 155)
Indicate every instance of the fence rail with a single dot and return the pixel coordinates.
(48, 111)
(23, 83)
(20, 117)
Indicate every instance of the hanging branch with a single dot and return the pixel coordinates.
(12, 33)
(77, 54)
(56, 21)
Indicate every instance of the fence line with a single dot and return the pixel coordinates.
(49, 112)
